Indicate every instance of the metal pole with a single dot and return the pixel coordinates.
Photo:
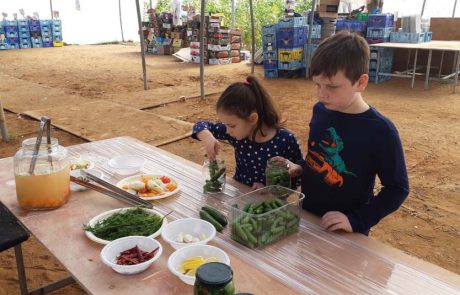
(455, 7)
(233, 14)
(203, 6)
(150, 4)
(423, 8)
(310, 32)
(121, 22)
(253, 53)
(141, 36)
(51, 7)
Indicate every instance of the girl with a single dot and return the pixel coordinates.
(251, 124)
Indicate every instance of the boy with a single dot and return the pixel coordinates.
(350, 143)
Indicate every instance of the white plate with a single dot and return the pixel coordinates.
(106, 214)
(138, 177)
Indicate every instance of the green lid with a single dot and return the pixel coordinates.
(214, 274)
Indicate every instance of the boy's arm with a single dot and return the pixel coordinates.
(391, 170)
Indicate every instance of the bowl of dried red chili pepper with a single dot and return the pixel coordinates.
(131, 255)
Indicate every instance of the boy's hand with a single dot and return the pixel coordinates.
(257, 185)
(334, 220)
(294, 169)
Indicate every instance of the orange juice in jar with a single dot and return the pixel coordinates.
(48, 185)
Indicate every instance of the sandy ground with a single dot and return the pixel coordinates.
(428, 224)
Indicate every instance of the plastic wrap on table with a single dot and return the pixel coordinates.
(310, 261)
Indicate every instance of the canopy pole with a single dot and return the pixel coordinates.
(202, 19)
(253, 53)
(310, 32)
(423, 8)
(233, 14)
(51, 7)
(455, 7)
(141, 35)
(121, 21)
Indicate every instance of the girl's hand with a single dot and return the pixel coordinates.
(211, 144)
(335, 220)
(257, 185)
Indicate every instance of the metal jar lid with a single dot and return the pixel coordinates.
(214, 274)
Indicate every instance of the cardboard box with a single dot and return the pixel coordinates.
(165, 50)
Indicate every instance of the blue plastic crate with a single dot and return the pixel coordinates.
(47, 44)
(56, 22)
(269, 29)
(428, 36)
(269, 38)
(24, 34)
(46, 34)
(11, 34)
(293, 22)
(10, 29)
(36, 40)
(377, 40)
(291, 65)
(272, 54)
(403, 37)
(47, 39)
(12, 40)
(3, 46)
(270, 47)
(23, 29)
(384, 52)
(271, 73)
(23, 23)
(271, 64)
(11, 23)
(379, 32)
(291, 37)
(34, 28)
(46, 22)
(24, 40)
(13, 46)
(380, 20)
(34, 22)
(37, 45)
(25, 45)
(45, 28)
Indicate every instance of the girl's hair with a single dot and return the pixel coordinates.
(243, 98)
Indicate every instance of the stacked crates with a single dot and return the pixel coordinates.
(379, 27)
(56, 30)
(46, 33)
(384, 63)
(24, 34)
(10, 30)
(35, 33)
(219, 45)
(270, 51)
(3, 44)
(236, 38)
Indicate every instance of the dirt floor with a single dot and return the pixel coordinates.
(427, 225)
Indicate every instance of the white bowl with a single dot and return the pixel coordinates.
(126, 164)
(192, 226)
(206, 251)
(111, 251)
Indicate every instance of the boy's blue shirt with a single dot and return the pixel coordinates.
(345, 154)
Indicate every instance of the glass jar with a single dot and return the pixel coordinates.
(48, 185)
(214, 278)
(214, 175)
(277, 173)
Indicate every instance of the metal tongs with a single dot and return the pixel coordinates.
(109, 189)
(44, 122)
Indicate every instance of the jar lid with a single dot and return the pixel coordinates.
(214, 274)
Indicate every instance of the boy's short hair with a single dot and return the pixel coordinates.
(344, 51)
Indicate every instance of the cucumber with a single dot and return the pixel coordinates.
(216, 215)
(206, 216)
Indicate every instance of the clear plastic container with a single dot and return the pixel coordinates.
(48, 186)
(260, 218)
(214, 175)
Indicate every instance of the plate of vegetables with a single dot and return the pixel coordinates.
(150, 186)
(123, 222)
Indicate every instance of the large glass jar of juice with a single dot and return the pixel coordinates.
(46, 184)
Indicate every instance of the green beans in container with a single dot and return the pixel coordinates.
(276, 174)
(260, 218)
(213, 175)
